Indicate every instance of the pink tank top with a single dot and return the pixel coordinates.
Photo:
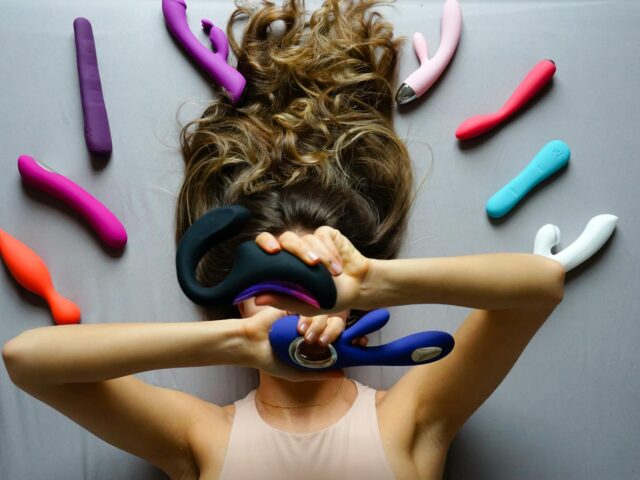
(351, 448)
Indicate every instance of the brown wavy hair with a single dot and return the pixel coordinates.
(311, 142)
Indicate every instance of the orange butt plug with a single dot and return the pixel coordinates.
(31, 272)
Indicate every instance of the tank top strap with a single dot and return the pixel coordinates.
(246, 415)
(364, 412)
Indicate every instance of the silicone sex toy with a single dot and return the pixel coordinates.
(214, 63)
(553, 156)
(105, 223)
(537, 78)
(30, 271)
(254, 270)
(430, 69)
(593, 237)
(217, 38)
(419, 348)
(96, 124)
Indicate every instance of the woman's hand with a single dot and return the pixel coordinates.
(327, 246)
(256, 331)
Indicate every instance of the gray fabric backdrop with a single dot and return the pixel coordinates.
(568, 409)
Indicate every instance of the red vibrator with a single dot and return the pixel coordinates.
(537, 78)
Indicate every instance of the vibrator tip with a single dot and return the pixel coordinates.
(207, 25)
(405, 94)
(81, 20)
(63, 310)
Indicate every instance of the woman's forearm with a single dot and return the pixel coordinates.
(91, 353)
(490, 281)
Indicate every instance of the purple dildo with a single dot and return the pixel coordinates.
(288, 288)
(96, 124)
(214, 63)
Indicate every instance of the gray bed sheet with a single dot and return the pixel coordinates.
(568, 409)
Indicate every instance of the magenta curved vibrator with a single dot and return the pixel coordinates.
(105, 223)
(593, 237)
(214, 63)
(430, 69)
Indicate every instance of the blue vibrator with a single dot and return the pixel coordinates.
(416, 349)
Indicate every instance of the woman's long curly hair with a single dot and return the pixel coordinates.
(311, 142)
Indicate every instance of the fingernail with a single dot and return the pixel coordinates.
(335, 268)
(273, 245)
(303, 327)
(310, 337)
(324, 339)
(312, 256)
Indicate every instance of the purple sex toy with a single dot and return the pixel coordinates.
(415, 349)
(214, 63)
(288, 288)
(96, 124)
(105, 223)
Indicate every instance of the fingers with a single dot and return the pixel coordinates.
(310, 248)
(271, 313)
(312, 328)
(360, 341)
(321, 329)
(330, 237)
(328, 253)
(268, 242)
(342, 244)
(335, 327)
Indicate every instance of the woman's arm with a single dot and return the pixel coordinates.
(512, 294)
(95, 352)
(85, 372)
(490, 281)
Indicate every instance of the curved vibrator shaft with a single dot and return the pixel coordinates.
(430, 69)
(537, 78)
(416, 349)
(254, 271)
(105, 223)
(553, 156)
(30, 271)
(214, 63)
(96, 122)
(593, 237)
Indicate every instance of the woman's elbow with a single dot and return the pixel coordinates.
(554, 291)
(14, 355)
